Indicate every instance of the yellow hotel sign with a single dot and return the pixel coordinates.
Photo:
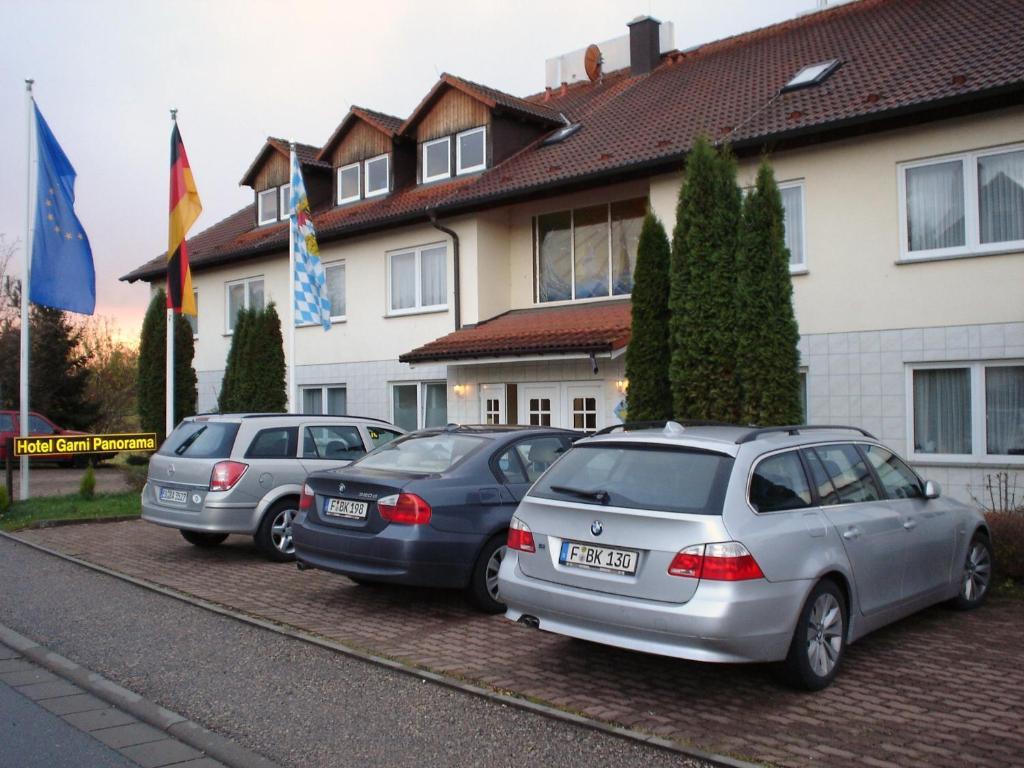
(48, 445)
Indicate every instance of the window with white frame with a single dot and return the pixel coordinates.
(267, 206)
(418, 279)
(470, 150)
(967, 411)
(285, 202)
(348, 183)
(377, 176)
(335, 274)
(242, 294)
(193, 320)
(419, 404)
(329, 399)
(962, 205)
(437, 160)
(793, 211)
(587, 252)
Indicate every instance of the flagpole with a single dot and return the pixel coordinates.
(169, 386)
(25, 279)
(291, 292)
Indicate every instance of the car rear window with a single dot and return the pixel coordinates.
(6, 422)
(422, 453)
(201, 440)
(667, 479)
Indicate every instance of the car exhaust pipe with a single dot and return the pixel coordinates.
(529, 621)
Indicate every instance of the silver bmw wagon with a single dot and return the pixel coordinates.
(730, 544)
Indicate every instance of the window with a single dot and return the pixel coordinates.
(193, 320)
(377, 176)
(424, 453)
(963, 205)
(339, 443)
(267, 206)
(584, 413)
(437, 159)
(793, 211)
(243, 294)
(419, 405)
(539, 411)
(6, 422)
(277, 443)
(471, 150)
(587, 252)
(201, 440)
(380, 436)
(348, 183)
(335, 274)
(37, 425)
(841, 475)
(285, 206)
(525, 461)
(811, 75)
(897, 478)
(335, 398)
(419, 279)
(779, 484)
(969, 411)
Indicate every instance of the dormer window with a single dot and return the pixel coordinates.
(348, 183)
(285, 202)
(470, 150)
(437, 159)
(267, 206)
(377, 176)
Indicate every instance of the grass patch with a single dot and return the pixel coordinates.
(46, 508)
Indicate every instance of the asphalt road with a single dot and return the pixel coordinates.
(298, 704)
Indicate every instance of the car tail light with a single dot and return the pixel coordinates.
(726, 561)
(520, 536)
(225, 474)
(407, 508)
(306, 499)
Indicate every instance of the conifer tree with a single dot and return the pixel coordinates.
(152, 383)
(767, 358)
(266, 358)
(228, 401)
(59, 374)
(648, 355)
(702, 292)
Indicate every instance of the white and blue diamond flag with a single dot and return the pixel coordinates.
(312, 304)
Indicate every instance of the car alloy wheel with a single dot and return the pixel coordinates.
(281, 532)
(824, 634)
(491, 572)
(977, 572)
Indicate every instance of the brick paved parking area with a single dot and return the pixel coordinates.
(939, 689)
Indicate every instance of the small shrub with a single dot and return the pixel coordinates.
(1008, 543)
(137, 459)
(5, 500)
(87, 488)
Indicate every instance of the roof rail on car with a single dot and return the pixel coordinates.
(312, 416)
(630, 426)
(796, 429)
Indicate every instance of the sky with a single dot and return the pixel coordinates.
(107, 73)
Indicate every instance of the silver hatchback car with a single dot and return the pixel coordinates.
(243, 473)
(730, 544)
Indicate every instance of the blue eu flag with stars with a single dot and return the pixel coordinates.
(62, 274)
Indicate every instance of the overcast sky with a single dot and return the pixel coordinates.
(107, 72)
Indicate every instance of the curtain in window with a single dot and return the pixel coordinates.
(236, 302)
(935, 206)
(403, 280)
(590, 231)
(312, 401)
(1001, 197)
(337, 401)
(404, 399)
(432, 274)
(435, 409)
(336, 289)
(627, 219)
(255, 294)
(793, 209)
(554, 257)
(942, 411)
(1004, 409)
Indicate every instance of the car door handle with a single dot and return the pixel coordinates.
(910, 524)
(852, 532)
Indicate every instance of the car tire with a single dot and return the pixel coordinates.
(483, 583)
(976, 576)
(819, 640)
(201, 539)
(274, 536)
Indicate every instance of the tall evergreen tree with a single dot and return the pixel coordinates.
(702, 293)
(153, 368)
(59, 375)
(767, 358)
(648, 355)
(265, 357)
(229, 401)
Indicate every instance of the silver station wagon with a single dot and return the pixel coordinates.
(243, 473)
(731, 544)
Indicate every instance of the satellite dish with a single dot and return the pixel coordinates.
(592, 60)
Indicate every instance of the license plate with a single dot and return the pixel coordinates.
(173, 496)
(355, 510)
(599, 558)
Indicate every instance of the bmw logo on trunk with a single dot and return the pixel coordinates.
(341, 487)
(596, 527)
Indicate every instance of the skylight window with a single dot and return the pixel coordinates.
(561, 134)
(812, 74)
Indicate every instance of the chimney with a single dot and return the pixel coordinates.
(644, 44)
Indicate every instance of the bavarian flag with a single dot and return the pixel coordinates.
(185, 209)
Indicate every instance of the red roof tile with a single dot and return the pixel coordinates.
(583, 328)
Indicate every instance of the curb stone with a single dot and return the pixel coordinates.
(504, 699)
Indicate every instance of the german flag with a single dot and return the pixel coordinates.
(185, 209)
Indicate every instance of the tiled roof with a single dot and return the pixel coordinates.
(897, 57)
(599, 328)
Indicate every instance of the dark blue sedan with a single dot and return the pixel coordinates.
(429, 509)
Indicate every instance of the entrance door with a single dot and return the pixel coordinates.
(492, 404)
(539, 405)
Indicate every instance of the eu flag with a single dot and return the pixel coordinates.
(62, 274)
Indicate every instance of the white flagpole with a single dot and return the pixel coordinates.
(169, 386)
(291, 294)
(25, 282)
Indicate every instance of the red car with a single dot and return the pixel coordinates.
(10, 426)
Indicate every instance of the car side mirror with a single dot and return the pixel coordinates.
(932, 490)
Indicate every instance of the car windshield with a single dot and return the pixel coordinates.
(201, 440)
(662, 478)
(429, 453)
